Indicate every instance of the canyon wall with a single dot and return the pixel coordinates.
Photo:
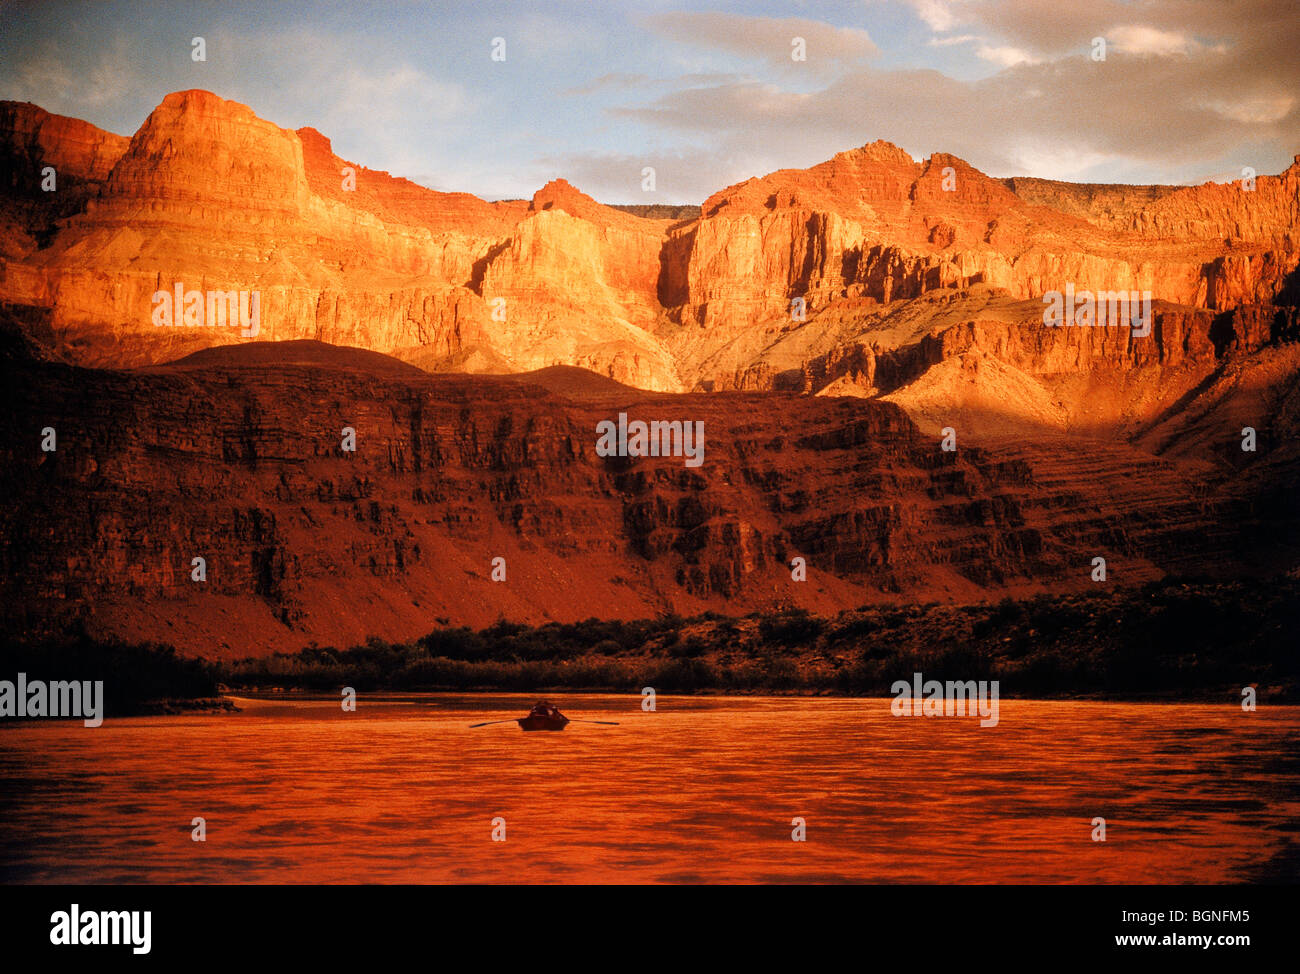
(208, 194)
(236, 456)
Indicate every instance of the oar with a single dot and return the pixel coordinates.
(581, 721)
(513, 720)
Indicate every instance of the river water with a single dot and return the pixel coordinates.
(704, 789)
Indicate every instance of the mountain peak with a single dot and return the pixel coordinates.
(315, 138)
(204, 102)
(562, 195)
(74, 147)
(366, 258)
(879, 151)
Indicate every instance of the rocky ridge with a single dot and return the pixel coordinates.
(236, 456)
(209, 194)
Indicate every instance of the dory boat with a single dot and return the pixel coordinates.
(544, 717)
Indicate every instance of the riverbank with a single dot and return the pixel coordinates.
(1172, 640)
(1175, 640)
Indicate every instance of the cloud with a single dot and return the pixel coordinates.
(377, 111)
(322, 75)
(1140, 39)
(1220, 83)
(619, 81)
(940, 15)
(684, 174)
(46, 79)
(1037, 159)
(703, 108)
(1057, 118)
(1008, 57)
(766, 38)
(1260, 110)
(608, 82)
(391, 93)
(1188, 87)
(1052, 29)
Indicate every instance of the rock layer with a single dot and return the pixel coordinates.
(211, 196)
(208, 194)
(236, 456)
(922, 287)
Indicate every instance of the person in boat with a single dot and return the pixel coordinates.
(545, 709)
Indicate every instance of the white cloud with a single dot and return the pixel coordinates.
(1045, 160)
(1065, 117)
(1007, 57)
(393, 92)
(46, 80)
(937, 14)
(1139, 39)
(1263, 110)
(767, 38)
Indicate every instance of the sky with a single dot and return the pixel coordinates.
(708, 94)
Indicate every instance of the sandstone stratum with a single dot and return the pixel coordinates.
(234, 455)
(208, 194)
(474, 346)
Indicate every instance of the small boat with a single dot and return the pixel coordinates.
(544, 717)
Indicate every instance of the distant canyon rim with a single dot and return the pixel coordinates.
(475, 348)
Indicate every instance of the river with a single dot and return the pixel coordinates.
(704, 789)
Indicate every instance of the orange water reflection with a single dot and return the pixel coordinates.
(703, 790)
